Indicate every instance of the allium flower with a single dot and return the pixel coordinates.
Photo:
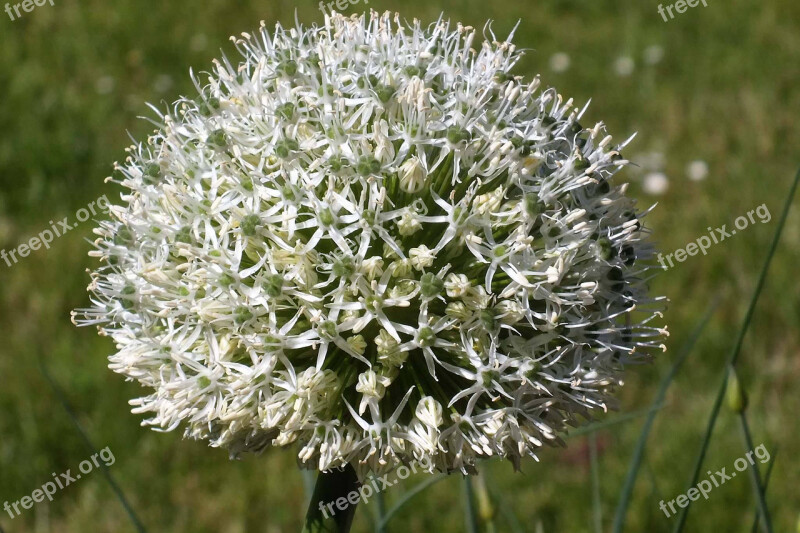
(697, 170)
(655, 183)
(624, 66)
(372, 240)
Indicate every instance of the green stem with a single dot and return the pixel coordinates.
(698, 465)
(638, 453)
(754, 528)
(758, 486)
(596, 499)
(103, 468)
(324, 514)
(408, 496)
(380, 527)
(470, 515)
(486, 509)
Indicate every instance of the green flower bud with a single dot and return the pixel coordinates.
(285, 111)
(217, 138)
(326, 217)
(287, 67)
(456, 134)
(431, 286)
(344, 267)
(384, 92)
(273, 285)
(426, 336)
(242, 314)
(735, 393)
(184, 235)
(249, 225)
(368, 165)
(327, 330)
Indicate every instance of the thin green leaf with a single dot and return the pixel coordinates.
(380, 505)
(508, 513)
(755, 476)
(308, 484)
(655, 490)
(638, 453)
(91, 447)
(469, 506)
(485, 506)
(596, 500)
(767, 477)
(410, 494)
(684, 513)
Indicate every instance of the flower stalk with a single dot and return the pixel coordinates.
(324, 515)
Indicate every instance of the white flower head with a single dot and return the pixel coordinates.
(655, 183)
(560, 62)
(653, 54)
(697, 170)
(371, 240)
(624, 65)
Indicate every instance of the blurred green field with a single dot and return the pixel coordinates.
(75, 77)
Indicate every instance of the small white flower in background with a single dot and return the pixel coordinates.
(655, 183)
(560, 62)
(198, 42)
(623, 66)
(653, 54)
(163, 83)
(372, 240)
(104, 85)
(697, 170)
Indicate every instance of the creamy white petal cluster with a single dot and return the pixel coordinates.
(370, 239)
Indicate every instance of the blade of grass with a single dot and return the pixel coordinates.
(684, 513)
(755, 476)
(410, 494)
(485, 506)
(638, 454)
(308, 484)
(508, 513)
(655, 490)
(380, 505)
(103, 468)
(596, 503)
(767, 476)
(469, 506)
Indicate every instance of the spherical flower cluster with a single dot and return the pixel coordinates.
(370, 239)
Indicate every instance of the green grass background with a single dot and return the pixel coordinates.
(73, 80)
